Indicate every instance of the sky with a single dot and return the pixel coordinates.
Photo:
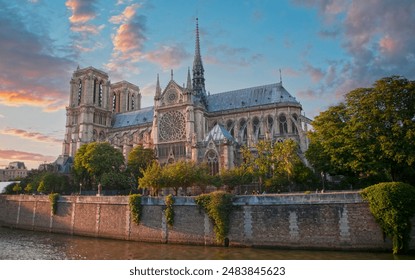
(324, 48)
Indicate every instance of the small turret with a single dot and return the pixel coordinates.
(158, 89)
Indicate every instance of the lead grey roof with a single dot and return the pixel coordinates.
(218, 133)
(139, 117)
(250, 97)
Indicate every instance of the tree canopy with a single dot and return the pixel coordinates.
(371, 133)
(138, 160)
(94, 160)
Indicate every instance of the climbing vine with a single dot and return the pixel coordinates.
(134, 202)
(53, 198)
(218, 206)
(392, 205)
(169, 211)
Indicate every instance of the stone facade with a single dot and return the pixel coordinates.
(186, 122)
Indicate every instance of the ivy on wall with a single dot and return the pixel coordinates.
(53, 198)
(393, 205)
(169, 211)
(134, 201)
(218, 206)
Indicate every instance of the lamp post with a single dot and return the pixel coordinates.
(80, 188)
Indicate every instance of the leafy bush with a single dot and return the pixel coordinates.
(218, 206)
(169, 211)
(134, 202)
(392, 205)
(53, 198)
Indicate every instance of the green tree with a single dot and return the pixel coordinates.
(52, 183)
(17, 188)
(258, 161)
(95, 159)
(371, 134)
(152, 178)
(273, 164)
(235, 177)
(393, 206)
(29, 188)
(180, 174)
(138, 160)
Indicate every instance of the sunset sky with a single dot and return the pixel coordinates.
(324, 49)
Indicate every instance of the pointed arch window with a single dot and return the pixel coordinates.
(114, 102)
(256, 127)
(213, 162)
(79, 92)
(283, 124)
(95, 90)
(100, 93)
(243, 131)
(133, 102)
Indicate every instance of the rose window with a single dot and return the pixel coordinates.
(172, 126)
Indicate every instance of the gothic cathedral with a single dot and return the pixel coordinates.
(185, 122)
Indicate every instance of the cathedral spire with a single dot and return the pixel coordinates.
(158, 89)
(189, 80)
(198, 71)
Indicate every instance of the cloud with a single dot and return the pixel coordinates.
(229, 56)
(168, 57)
(34, 136)
(128, 41)
(13, 155)
(83, 13)
(315, 73)
(377, 35)
(82, 10)
(30, 73)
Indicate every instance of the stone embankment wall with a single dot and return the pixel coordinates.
(312, 221)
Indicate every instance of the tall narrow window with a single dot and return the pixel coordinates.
(283, 124)
(128, 101)
(79, 92)
(243, 131)
(132, 102)
(114, 102)
(100, 95)
(213, 162)
(256, 127)
(95, 90)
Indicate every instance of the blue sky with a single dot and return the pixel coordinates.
(324, 49)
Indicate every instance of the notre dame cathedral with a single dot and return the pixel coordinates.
(185, 122)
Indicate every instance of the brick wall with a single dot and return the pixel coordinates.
(323, 221)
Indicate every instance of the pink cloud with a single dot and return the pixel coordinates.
(30, 73)
(128, 41)
(377, 35)
(82, 10)
(35, 136)
(12, 155)
(168, 56)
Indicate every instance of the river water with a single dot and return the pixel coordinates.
(28, 245)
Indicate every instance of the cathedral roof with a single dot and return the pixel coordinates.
(133, 118)
(218, 133)
(250, 97)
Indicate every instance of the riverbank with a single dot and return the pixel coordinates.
(329, 221)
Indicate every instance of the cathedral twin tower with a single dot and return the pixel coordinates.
(185, 123)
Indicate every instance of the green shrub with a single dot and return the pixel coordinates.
(392, 205)
(169, 211)
(53, 198)
(134, 202)
(218, 206)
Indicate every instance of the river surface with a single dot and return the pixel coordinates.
(29, 245)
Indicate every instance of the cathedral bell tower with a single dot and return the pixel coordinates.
(88, 115)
